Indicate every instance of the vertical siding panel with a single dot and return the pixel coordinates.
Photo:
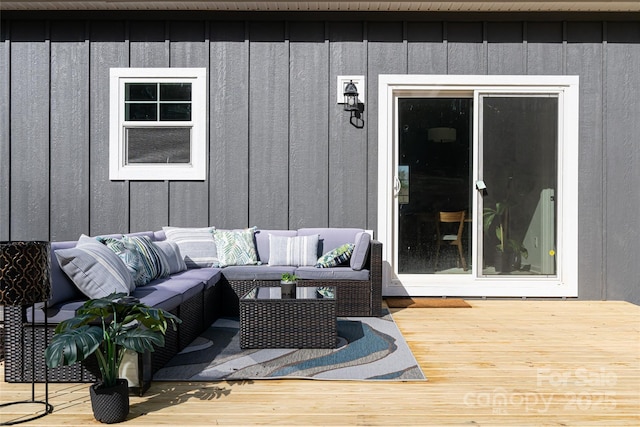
(584, 58)
(505, 50)
(269, 129)
(347, 167)
(622, 142)
(189, 201)
(427, 52)
(29, 96)
(387, 54)
(109, 200)
(465, 48)
(544, 48)
(69, 130)
(149, 200)
(308, 123)
(5, 165)
(229, 125)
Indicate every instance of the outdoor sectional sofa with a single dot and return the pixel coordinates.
(208, 271)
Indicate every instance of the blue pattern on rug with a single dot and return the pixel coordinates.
(368, 349)
(358, 348)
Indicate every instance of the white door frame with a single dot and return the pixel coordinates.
(565, 282)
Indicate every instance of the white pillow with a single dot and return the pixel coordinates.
(295, 251)
(196, 245)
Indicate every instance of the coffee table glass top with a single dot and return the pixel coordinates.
(302, 293)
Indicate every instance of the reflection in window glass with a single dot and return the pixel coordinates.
(142, 103)
(175, 112)
(520, 146)
(175, 92)
(141, 112)
(158, 145)
(141, 92)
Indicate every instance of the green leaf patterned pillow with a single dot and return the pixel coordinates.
(236, 247)
(336, 256)
(152, 259)
(129, 254)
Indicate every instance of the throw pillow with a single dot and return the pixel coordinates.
(297, 251)
(196, 245)
(236, 247)
(172, 253)
(95, 269)
(360, 251)
(129, 254)
(336, 256)
(152, 259)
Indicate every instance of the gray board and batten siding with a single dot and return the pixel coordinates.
(281, 151)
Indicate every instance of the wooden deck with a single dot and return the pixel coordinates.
(510, 363)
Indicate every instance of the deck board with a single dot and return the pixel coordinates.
(502, 363)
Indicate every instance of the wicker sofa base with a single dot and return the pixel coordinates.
(353, 298)
(357, 298)
(22, 336)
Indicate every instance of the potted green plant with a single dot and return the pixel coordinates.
(509, 251)
(107, 327)
(288, 285)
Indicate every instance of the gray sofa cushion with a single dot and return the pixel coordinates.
(186, 287)
(256, 272)
(361, 250)
(58, 312)
(332, 273)
(331, 238)
(158, 298)
(208, 276)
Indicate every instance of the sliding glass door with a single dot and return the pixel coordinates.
(519, 179)
(480, 186)
(434, 175)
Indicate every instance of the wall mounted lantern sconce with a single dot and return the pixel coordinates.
(352, 100)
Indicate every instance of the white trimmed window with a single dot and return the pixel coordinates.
(157, 125)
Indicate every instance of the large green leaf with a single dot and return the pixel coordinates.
(140, 340)
(106, 326)
(73, 345)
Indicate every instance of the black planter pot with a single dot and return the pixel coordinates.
(110, 404)
(288, 289)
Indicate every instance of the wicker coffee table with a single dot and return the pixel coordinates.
(267, 320)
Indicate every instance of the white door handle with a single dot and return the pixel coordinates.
(397, 186)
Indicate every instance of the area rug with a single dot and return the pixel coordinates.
(413, 302)
(369, 348)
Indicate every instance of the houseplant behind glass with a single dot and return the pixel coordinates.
(108, 327)
(508, 250)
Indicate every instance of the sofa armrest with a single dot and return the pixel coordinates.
(375, 269)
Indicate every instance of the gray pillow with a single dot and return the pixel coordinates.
(95, 269)
(296, 251)
(196, 245)
(361, 251)
(171, 251)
